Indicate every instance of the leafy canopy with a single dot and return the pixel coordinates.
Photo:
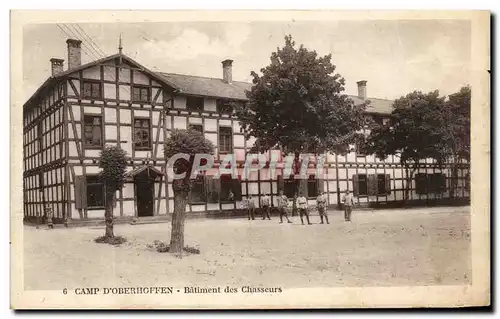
(414, 130)
(189, 142)
(297, 104)
(456, 132)
(113, 161)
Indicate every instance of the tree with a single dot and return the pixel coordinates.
(414, 132)
(113, 162)
(456, 131)
(189, 142)
(297, 105)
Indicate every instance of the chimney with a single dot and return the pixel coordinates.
(57, 65)
(74, 53)
(361, 89)
(227, 71)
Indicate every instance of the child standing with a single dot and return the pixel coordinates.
(283, 207)
(250, 207)
(348, 201)
(302, 205)
(266, 203)
(321, 204)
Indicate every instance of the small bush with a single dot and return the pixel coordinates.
(161, 247)
(117, 240)
(192, 250)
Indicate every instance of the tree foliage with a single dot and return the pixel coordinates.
(113, 162)
(421, 126)
(413, 132)
(298, 104)
(456, 132)
(189, 142)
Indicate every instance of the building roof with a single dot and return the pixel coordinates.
(54, 78)
(381, 106)
(213, 87)
(148, 168)
(203, 86)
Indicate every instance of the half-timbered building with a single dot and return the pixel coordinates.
(118, 101)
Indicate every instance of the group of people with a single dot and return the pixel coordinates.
(302, 206)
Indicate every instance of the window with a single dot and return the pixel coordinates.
(140, 93)
(196, 127)
(371, 184)
(142, 140)
(194, 103)
(92, 89)
(197, 194)
(437, 183)
(224, 106)
(312, 186)
(430, 183)
(381, 184)
(362, 185)
(225, 140)
(421, 183)
(95, 193)
(289, 187)
(93, 130)
(226, 187)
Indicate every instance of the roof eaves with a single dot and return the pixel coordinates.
(90, 64)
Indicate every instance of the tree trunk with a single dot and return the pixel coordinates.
(181, 191)
(108, 215)
(409, 176)
(454, 177)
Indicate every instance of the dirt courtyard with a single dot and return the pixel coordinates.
(424, 246)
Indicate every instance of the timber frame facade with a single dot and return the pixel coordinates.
(117, 101)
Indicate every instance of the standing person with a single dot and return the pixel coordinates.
(230, 196)
(266, 203)
(321, 204)
(302, 205)
(283, 207)
(348, 201)
(250, 207)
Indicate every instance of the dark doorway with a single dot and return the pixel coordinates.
(144, 189)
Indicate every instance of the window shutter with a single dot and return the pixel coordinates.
(441, 181)
(372, 185)
(237, 189)
(212, 189)
(355, 185)
(421, 183)
(321, 185)
(303, 187)
(217, 189)
(281, 183)
(80, 192)
(387, 184)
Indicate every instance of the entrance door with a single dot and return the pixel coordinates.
(144, 190)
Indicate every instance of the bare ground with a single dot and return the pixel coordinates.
(425, 246)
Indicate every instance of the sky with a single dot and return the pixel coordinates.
(395, 57)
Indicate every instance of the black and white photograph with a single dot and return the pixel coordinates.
(251, 162)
